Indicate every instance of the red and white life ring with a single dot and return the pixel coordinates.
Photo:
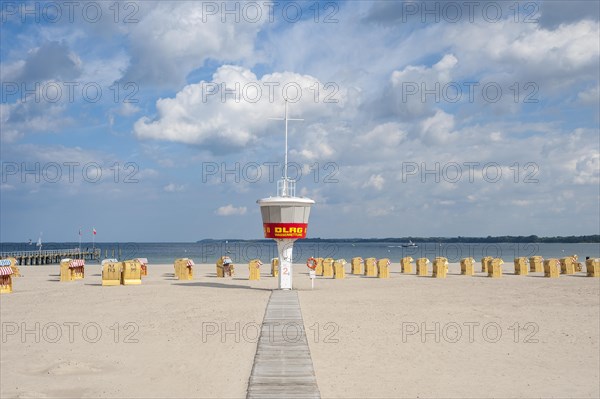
(311, 263)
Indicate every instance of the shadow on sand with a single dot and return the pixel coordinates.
(221, 285)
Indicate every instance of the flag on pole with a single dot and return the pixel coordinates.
(94, 231)
(79, 232)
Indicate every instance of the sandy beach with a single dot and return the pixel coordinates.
(407, 336)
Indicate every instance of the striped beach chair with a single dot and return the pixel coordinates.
(339, 270)
(254, 269)
(5, 277)
(12, 262)
(184, 269)
(357, 265)
(383, 268)
(78, 266)
(144, 265)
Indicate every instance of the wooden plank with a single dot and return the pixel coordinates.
(283, 367)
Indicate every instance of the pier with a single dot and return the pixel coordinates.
(283, 367)
(51, 256)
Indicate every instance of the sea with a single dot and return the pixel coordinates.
(265, 250)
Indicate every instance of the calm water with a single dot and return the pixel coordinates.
(242, 252)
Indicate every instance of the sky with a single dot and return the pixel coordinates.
(152, 121)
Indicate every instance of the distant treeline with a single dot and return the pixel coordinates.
(460, 239)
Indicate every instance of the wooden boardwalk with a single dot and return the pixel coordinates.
(50, 256)
(283, 367)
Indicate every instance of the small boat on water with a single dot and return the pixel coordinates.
(410, 244)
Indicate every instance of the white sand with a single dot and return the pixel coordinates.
(170, 359)
(374, 359)
(365, 316)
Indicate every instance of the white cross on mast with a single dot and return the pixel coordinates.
(285, 166)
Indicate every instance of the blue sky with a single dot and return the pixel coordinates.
(420, 118)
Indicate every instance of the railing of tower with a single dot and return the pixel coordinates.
(286, 187)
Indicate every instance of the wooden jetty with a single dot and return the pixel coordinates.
(283, 367)
(50, 256)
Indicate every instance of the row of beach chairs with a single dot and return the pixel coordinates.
(130, 272)
(372, 267)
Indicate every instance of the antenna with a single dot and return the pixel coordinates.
(286, 181)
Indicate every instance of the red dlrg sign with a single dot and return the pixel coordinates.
(285, 230)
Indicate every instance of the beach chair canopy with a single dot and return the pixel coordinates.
(5, 262)
(5, 271)
(143, 261)
(111, 260)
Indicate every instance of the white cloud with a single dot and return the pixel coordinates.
(382, 140)
(446, 202)
(106, 71)
(25, 117)
(174, 188)
(11, 71)
(590, 96)
(521, 202)
(57, 153)
(60, 170)
(174, 38)
(411, 85)
(587, 169)
(316, 194)
(375, 181)
(437, 129)
(230, 210)
(127, 109)
(569, 47)
(317, 143)
(505, 51)
(378, 211)
(203, 113)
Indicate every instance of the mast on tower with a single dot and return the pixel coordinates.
(286, 187)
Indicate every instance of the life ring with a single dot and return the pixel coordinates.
(311, 263)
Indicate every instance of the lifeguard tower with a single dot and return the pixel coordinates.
(285, 217)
